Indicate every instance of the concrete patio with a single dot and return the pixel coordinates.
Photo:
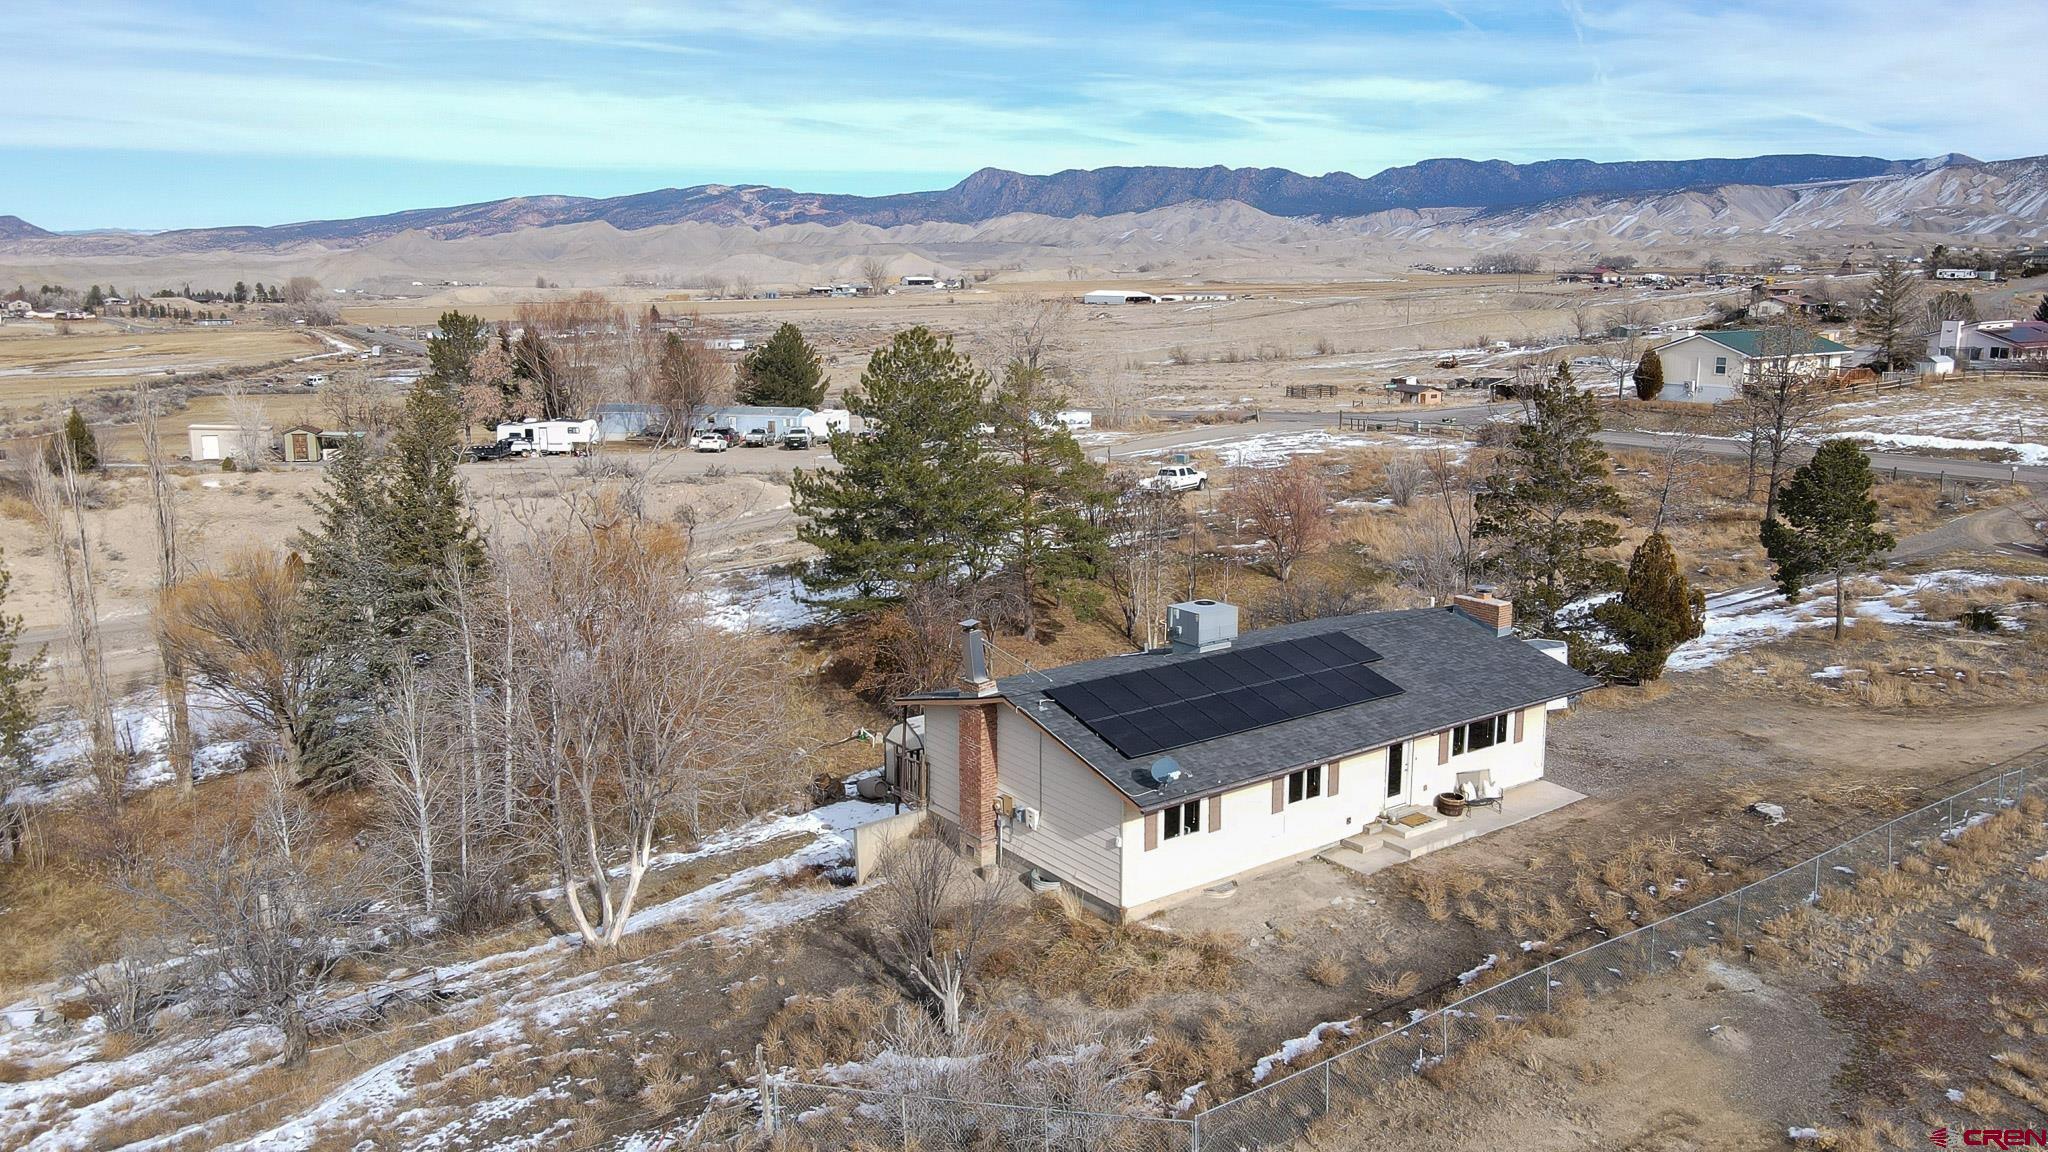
(1383, 846)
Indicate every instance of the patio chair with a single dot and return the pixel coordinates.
(1479, 790)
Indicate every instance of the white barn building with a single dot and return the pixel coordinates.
(1117, 296)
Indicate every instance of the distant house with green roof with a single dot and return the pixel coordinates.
(1709, 367)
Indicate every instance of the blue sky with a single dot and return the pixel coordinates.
(180, 115)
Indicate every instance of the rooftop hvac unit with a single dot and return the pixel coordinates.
(1201, 625)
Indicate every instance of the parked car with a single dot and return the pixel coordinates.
(797, 438)
(710, 441)
(1176, 478)
(756, 437)
(495, 450)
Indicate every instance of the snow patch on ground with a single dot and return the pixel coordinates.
(756, 602)
(142, 729)
(2022, 453)
(1301, 1046)
(540, 986)
(1743, 619)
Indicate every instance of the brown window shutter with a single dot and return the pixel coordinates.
(1151, 831)
(1330, 779)
(1518, 724)
(1216, 813)
(1279, 794)
(1443, 746)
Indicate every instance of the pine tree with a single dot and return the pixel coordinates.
(1542, 509)
(1655, 613)
(2041, 310)
(20, 680)
(913, 501)
(77, 436)
(94, 297)
(1650, 376)
(343, 619)
(784, 372)
(430, 526)
(20, 688)
(1051, 486)
(1829, 526)
(1889, 319)
(450, 353)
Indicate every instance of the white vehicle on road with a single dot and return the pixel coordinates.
(710, 442)
(1176, 478)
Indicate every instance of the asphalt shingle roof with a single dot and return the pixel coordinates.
(1748, 341)
(1451, 670)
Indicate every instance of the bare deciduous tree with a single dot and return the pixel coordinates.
(252, 432)
(60, 505)
(939, 918)
(353, 402)
(633, 715)
(127, 991)
(1676, 475)
(1142, 526)
(1780, 401)
(261, 918)
(418, 780)
(1287, 508)
(587, 338)
(234, 629)
(1437, 553)
(687, 379)
(1035, 332)
(874, 272)
(177, 708)
(1403, 474)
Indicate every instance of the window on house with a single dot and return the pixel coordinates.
(1183, 818)
(1479, 734)
(1306, 784)
(1720, 365)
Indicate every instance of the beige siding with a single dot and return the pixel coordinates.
(1080, 814)
(942, 760)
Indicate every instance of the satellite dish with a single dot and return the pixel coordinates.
(1164, 771)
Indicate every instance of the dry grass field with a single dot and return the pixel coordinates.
(38, 363)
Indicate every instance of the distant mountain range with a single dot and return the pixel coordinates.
(15, 228)
(993, 192)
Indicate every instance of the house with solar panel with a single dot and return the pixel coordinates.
(1141, 780)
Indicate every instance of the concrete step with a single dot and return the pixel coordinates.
(1365, 863)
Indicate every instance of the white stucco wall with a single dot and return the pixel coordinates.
(1080, 814)
(1510, 763)
(1253, 835)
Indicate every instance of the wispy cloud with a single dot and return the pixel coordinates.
(734, 88)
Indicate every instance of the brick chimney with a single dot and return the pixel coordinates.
(1487, 611)
(977, 753)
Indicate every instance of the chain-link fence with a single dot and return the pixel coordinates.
(807, 1116)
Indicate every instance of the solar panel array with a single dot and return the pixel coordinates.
(1189, 701)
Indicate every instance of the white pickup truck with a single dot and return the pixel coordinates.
(1176, 478)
